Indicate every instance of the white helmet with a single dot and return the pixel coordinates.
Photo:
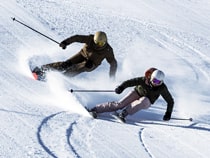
(157, 77)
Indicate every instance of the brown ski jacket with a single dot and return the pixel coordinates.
(92, 52)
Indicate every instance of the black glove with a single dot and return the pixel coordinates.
(119, 89)
(167, 116)
(63, 45)
(89, 64)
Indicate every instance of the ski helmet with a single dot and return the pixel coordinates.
(157, 77)
(100, 38)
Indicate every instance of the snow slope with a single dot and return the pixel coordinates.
(45, 120)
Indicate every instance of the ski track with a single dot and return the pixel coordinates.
(68, 134)
(166, 38)
(173, 43)
(17, 115)
(39, 131)
(178, 43)
(154, 127)
(142, 142)
(68, 142)
(75, 127)
(188, 125)
(45, 128)
(74, 124)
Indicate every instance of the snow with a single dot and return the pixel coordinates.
(43, 119)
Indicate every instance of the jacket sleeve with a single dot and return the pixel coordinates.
(110, 58)
(113, 68)
(168, 98)
(132, 82)
(78, 38)
(113, 63)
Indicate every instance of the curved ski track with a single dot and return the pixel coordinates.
(45, 129)
(59, 127)
(74, 135)
(176, 43)
(142, 142)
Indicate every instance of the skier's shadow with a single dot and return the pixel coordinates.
(193, 125)
(110, 118)
(156, 119)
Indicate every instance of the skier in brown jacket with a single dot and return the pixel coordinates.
(146, 92)
(95, 50)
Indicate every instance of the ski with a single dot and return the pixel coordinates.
(37, 72)
(113, 116)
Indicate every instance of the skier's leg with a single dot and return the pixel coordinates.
(128, 99)
(77, 69)
(64, 65)
(58, 66)
(114, 106)
(141, 103)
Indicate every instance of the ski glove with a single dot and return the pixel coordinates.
(63, 45)
(167, 116)
(119, 89)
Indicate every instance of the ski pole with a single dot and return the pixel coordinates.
(174, 118)
(35, 30)
(78, 90)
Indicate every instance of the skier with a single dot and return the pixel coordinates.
(147, 90)
(95, 50)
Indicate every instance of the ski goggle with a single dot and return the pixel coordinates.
(100, 44)
(156, 81)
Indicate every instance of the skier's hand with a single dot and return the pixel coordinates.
(63, 45)
(119, 89)
(167, 116)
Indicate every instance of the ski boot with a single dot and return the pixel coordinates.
(122, 115)
(39, 73)
(92, 112)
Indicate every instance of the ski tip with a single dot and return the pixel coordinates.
(35, 76)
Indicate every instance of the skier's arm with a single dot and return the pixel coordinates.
(113, 69)
(113, 64)
(170, 103)
(76, 38)
(129, 83)
(132, 82)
